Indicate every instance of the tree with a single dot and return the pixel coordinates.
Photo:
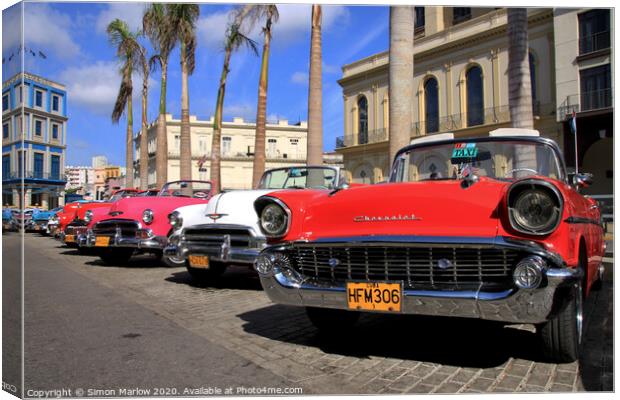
(127, 50)
(144, 154)
(315, 92)
(183, 18)
(519, 84)
(270, 13)
(157, 25)
(400, 77)
(233, 41)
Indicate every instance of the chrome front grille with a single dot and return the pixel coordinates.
(75, 229)
(127, 228)
(417, 267)
(216, 236)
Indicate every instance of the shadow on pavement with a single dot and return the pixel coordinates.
(136, 261)
(597, 358)
(450, 341)
(235, 277)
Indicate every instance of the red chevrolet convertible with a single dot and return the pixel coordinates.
(491, 228)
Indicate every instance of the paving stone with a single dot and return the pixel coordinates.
(481, 384)
(509, 383)
(435, 378)
(421, 388)
(464, 375)
(538, 379)
(558, 387)
(449, 387)
(566, 378)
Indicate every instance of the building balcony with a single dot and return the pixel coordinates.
(354, 139)
(239, 156)
(34, 176)
(595, 42)
(586, 101)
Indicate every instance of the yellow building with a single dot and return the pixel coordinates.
(285, 145)
(461, 82)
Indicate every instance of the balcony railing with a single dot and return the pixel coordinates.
(586, 101)
(33, 175)
(594, 42)
(373, 136)
(491, 115)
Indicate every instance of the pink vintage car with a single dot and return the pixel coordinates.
(140, 224)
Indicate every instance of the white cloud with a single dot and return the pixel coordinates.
(300, 78)
(360, 44)
(243, 110)
(128, 12)
(48, 30)
(95, 86)
(293, 25)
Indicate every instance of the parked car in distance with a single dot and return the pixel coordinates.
(9, 223)
(140, 224)
(41, 219)
(77, 227)
(490, 228)
(225, 231)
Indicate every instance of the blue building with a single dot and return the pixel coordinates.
(34, 139)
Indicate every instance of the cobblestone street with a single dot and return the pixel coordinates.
(387, 354)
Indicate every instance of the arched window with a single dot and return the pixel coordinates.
(362, 128)
(532, 75)
(431, 105)
(475, 96)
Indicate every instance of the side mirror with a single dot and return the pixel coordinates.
(583, 180)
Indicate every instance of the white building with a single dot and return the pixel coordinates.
(285, 145)
(100, 161)
(80, 177)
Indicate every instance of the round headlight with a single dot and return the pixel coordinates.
(273, 220)
(535, 211)
(175, 220)
(88, 216)
(147, 216)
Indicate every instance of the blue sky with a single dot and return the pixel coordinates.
(72, 36)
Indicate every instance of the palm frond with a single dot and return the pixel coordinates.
(154, 62)
(124, 93)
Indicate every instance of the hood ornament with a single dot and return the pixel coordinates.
(215, 216)
(115, 213)
(386, 218)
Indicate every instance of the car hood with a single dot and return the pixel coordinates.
(229, 208)
(133, 207)
(438, 208)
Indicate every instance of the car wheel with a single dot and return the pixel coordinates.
(173, 261)
(205, 275)
(561, 336)
(118, 256)
(330, 320)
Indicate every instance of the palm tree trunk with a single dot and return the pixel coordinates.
(144, 154)
(400, 77)
(519, 84)
(261, 112)
(129, 144)
(186, 148)
(315, 92)
(161, 156)
(216, 155)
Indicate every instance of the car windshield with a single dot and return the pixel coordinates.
(299, 178)
(121, 194)
(195, 189)
(504, 160)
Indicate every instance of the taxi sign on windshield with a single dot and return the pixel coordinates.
(465, 150)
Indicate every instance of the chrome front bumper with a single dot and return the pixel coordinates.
(179, 248)
(512, 305)
(150, 242)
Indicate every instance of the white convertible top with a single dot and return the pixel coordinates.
(514, 132)
(433, 138)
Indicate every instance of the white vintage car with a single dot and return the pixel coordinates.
(225, 231)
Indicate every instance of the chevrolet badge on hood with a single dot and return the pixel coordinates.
(385, 218)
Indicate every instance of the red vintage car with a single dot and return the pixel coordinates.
(140, 224)
(490, 228)
(77, 225)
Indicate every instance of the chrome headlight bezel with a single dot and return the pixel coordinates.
(148, 216)
(88, 216)
(271, 210)
(175, 220)
(540, 194)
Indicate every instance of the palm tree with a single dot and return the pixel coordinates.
(184, 18)
(127, 51)
(315, 92)
(519, 83)
(144, 155)
(233, 41)
(157, 25)
(400, 77)
(271, 15)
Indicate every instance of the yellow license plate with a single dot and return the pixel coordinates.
(374, 296)
(199, 261)
(102, 241)
(70, 239)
